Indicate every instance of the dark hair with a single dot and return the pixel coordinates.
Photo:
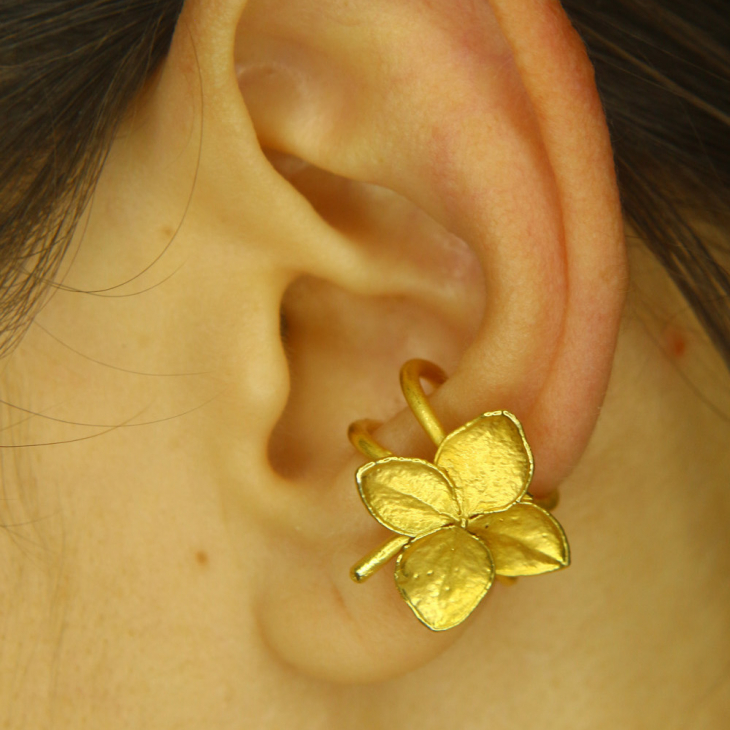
(68, 71)
(663, 71)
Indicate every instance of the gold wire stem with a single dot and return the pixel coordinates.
(375, 560)
(410, 382)
(361, 438)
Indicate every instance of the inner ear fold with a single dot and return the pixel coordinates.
(401, 239)
(347, 338)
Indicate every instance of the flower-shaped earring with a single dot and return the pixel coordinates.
(461, 520)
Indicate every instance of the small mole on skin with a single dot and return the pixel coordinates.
(676, 343)
(201, 557)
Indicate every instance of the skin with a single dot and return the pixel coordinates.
(389, 180)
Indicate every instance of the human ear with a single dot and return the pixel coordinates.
(411, 180)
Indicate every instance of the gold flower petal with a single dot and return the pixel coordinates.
(408, 496)
(443, 576)
(524, 540)
(489, 461)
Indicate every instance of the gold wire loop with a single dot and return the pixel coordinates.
(410, 383)
(361, 438)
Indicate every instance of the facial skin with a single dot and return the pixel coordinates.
(308, 195)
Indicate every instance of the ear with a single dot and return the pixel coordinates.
(410, 179)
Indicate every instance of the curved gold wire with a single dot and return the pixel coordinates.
(361, 438)
(410, 383)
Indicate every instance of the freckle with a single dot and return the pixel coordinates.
(201, 558)
(167, 231)
(675, 342)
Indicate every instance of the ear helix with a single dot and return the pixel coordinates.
(462, 520)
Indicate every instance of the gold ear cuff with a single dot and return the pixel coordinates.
(462, 520)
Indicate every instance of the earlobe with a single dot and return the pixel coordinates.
(426, 181)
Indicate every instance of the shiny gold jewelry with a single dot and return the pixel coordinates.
(462, 520)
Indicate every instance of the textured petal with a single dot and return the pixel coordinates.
(524, 540)
(488, 461)
(408, 496)
(443, 576)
